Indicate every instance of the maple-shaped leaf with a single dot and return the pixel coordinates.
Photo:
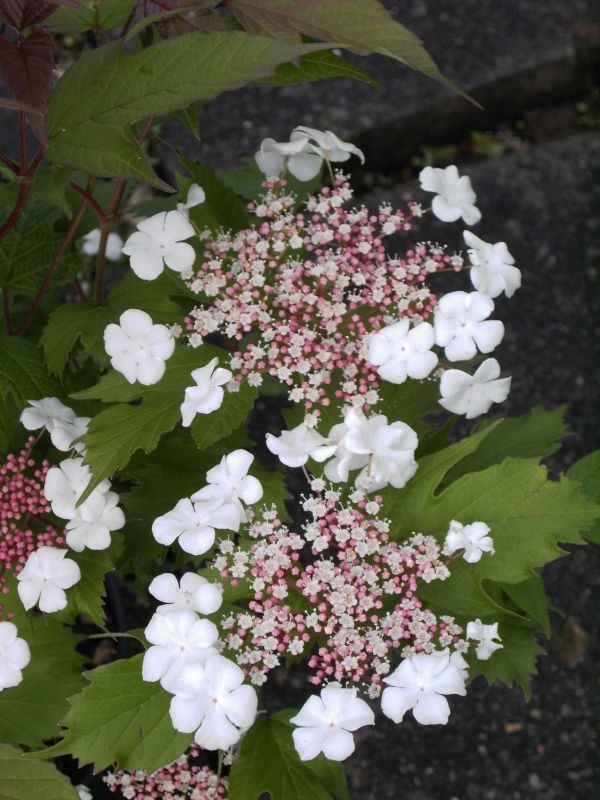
(22, 14)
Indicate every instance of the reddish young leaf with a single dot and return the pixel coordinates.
(22, 14)
(27, 68)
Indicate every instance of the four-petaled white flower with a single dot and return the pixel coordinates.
(273, 157)
(296, 446)
(386, 453)
(192, 592)
(160, 240)
(207, 395)
(229, 483)
(420, 682)
(487, 636)
(61, 422)
(400, 352)
(45, 576)
(213, 701)
(473, 539)
(454, 195)
(193, 524)
(195, 197)
(462, 326)
(473, 395)
(114, 245)
(328, 146)
(14, 656)
(93, 521)
(65, 484)
(326, 724)
(138, 348)
(177, 638)
(493, 270)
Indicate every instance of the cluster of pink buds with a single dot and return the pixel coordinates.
(23, 509)
(352, 607)
(314, 285)
(184, 779)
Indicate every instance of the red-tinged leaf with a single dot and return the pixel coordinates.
(22, 14)
(27, 71)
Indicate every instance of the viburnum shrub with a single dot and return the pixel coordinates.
(167, 543)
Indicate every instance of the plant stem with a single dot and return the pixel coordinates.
(6, 309)
(53, 266)
(91, 200)
(8, 162)
(13, 217)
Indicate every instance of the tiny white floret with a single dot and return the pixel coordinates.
(160, 240)
(454, 195)
(45, 576)
(14, 656)
(138, 348)
(487, 637)
(326, 723)
(473, 395)
(473, 539)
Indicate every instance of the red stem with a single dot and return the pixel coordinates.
(8, 162)
(13, 218)
(91, 200)
(52, 268)
(79, 289)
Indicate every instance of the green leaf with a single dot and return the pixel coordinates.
(210, 428)
(20, 780)
(409, 402)
(314, 67)
(362, 26)
(222, 207)
(22, 373)
(106, 90)
(31, 711)
(100, 14)
(50, 185)
(69, 323)
(586, 473)
(515, 663)
(28, 250)
(86, 597)
(530, 597)
(533, 435)
(114, 435)
(120, 720)
(268, 763)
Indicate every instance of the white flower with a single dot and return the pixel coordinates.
(44, 578)
(83, 792)
(327, 144)
(230, 484)
(486, 636)
(61, 422)
(93, 521)
(473, 539)
(385, 452)
(65, 484)
(160, 240)
(138, 348)
(213, 701)
(454, 198)
(400, 352)
(192, 592)
(193, 524)
(296, 446)
(177, 638)
(473, 395)
(208, 393)
(114, 244)
(420, 682)
(326, 724)
(493, 270)
(462, 327)
(273, 157)
(14, 656)
(195, 197)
